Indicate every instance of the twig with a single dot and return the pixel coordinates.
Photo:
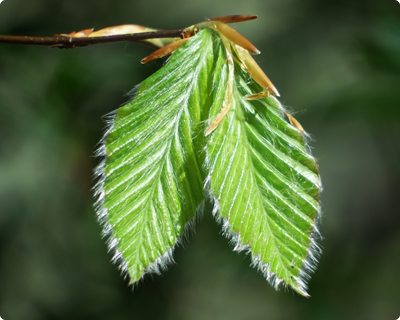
(64, 41)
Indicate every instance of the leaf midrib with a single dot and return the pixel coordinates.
(247, 145)
(166, 156)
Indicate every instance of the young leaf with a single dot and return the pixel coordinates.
(191, 132)
(266, 185)
(151, 182)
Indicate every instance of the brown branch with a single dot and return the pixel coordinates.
(72, 40)
(64, 41)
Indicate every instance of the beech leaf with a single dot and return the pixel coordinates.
(188, 136)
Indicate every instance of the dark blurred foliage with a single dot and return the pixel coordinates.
(335, 63)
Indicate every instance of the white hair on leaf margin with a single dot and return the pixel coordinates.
(163, 261)
(313, 253)
(309, 263)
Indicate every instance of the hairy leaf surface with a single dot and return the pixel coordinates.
(266, 185)
(188, 135)
(152, 180)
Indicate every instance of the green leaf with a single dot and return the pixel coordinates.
(152, 180)
(160, 163)
(266, 186)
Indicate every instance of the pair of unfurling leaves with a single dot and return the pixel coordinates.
(206, 130)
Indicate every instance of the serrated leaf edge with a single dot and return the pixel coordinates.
(166, 259)
(314, 250)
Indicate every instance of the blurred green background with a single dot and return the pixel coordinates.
(335, 63)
